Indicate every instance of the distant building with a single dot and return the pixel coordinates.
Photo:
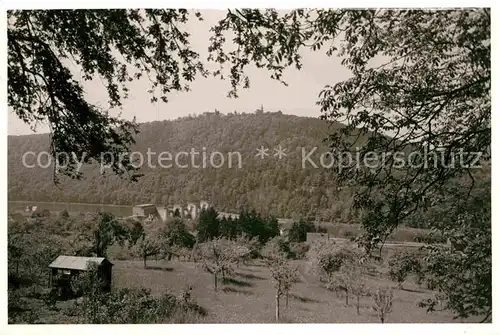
(64, 268)
(163, 212)
(192, 210)
(144, 210)
(204, 205)
(31, 209)
(36, 211)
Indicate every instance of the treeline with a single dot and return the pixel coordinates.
(251, 224)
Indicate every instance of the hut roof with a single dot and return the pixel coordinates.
(76, 262)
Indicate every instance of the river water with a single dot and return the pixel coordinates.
(118, 210)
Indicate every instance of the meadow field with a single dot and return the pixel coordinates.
(248, 297)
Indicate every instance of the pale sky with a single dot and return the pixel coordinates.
(208, 94)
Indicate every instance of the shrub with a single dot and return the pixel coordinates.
(134, 306)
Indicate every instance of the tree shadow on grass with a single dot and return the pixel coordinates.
(236, 282)
(233, 290)
(303, 299)
(160, 268)
(248, 276)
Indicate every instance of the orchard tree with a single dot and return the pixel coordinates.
(249, 248)
(276, 245)
(217, 257)
(94, 236)
(356, 285)
(352, 276)
(328, 258)
(284, 275)
(29, 253)
(147, 246)
(325, 264)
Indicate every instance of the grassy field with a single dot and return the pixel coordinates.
(249, 296)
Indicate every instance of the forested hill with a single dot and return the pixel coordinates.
(279, 187)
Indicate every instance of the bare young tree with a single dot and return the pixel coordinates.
(352, 275)
(284, 275)
(353, 279)
(290, 278)
(382, 302)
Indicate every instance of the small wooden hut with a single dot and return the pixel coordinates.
(64, 268)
